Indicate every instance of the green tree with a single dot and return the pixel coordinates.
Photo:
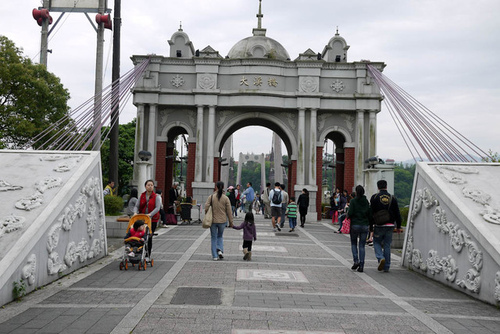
(492, 157)
(31, 98)
(403, 183)
(126, 143)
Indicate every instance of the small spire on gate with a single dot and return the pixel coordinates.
(259, 31)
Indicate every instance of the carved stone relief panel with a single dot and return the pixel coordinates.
(458, 238)
(349, 121)
(28, 272)
(6, 186)
(456, 175)
(290, 118)
(337, 86)
(87, 206)
(206, 81)
(11, 223)
(309, 84)
(222, 117)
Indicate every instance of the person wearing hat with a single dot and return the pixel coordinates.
(232, 199)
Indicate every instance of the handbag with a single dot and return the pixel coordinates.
(207, 220)
(346, 226)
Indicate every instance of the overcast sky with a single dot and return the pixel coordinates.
(443, 52)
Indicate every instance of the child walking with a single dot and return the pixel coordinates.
(249, 234)
(291, 211)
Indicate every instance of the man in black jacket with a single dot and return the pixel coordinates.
(382, 235)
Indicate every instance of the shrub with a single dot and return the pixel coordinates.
(113, 205)
(404, 215)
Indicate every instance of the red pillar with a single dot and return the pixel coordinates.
(319, 180)
(339, 171)
(169, 174)
(349, 168)
(191, 162)
(290, 184)
(217, 170)
(161, 166)
(293, 174)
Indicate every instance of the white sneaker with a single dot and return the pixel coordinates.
(215, 259)
(221, 255)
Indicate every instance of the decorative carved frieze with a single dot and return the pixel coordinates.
(192, 118)
(471, 282)
(6, 186)
(337, 86)
(53, 237)
(206, 81)
(222, 117)
(459, 240)
(322, 118)
(28, 273)
(491, 215)
(309, 84)
(291, 118)
(349, 121)
(48, 183)
(497, 286)
(54, 264)
(11, 223)
(31, 202)
(69, 163)
(177, 81)
(476, 195)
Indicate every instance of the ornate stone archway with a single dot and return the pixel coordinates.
(303, 101)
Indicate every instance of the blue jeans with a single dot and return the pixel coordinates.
(283, 210)
(361, 232)
(216, 232)
(341, 220)
(382, 238)
(233, 209)
(292, 222)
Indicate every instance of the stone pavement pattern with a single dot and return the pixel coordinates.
(296, 283)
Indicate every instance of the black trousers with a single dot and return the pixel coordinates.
(150, 239)
(247, 244)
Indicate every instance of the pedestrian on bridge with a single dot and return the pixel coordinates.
(221, 213)
(359, 212)
(383, 228)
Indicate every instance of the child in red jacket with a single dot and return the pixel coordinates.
(138, 231)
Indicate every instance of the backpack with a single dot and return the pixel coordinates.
(276, 197)
(383, 216)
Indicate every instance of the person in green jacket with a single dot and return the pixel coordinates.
(291, 211)
(359, 211)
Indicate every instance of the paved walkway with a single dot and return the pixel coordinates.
(296, 283)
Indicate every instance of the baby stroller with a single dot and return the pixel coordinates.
(141, 254)
(186, 211)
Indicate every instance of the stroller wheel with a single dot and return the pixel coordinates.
(152, 262)
(121, 266)
(144, 265)
(126, 264)
(139, 266)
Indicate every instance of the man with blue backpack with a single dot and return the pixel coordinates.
(276, 198)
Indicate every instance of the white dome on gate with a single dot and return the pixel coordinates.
(258, 45)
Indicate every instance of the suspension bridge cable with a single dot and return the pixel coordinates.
(423, 132)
